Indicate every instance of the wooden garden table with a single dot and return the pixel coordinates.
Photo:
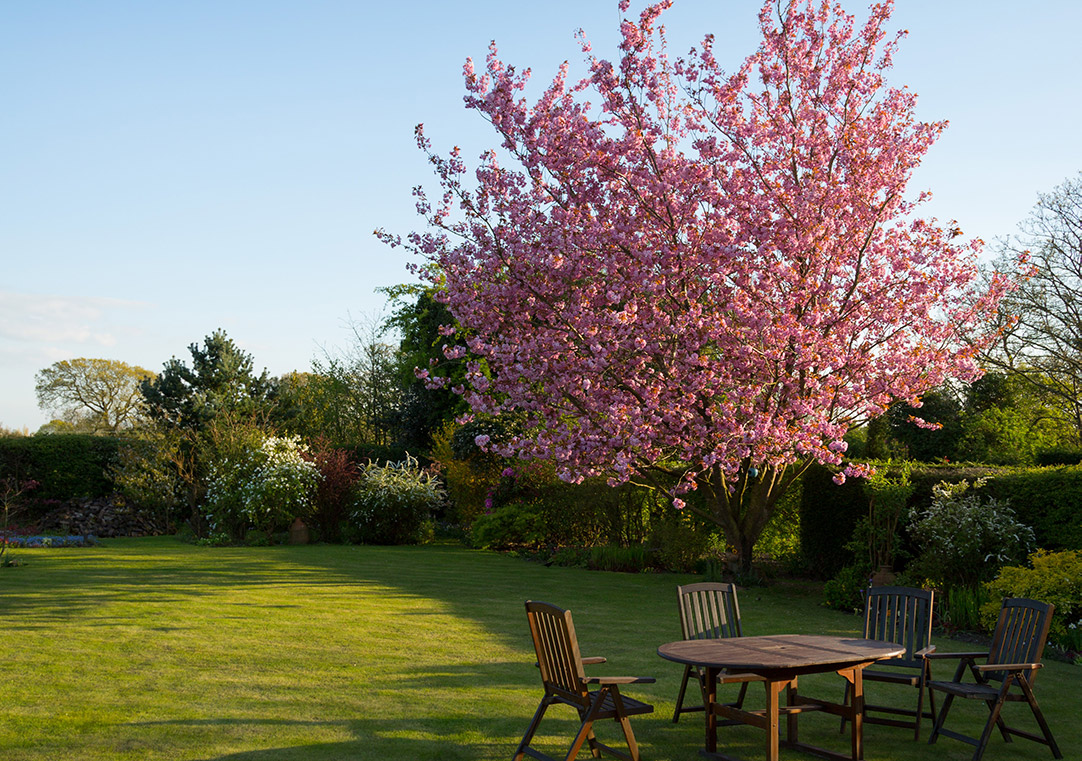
(780, 660)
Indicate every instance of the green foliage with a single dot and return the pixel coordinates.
(518, 524)
(395, 503)
(257, 481)
(1053, 577)
(682, 540)
(101, 395)
(846, 590)
(780, 540)
(1048, 499)
(959, 608)
(927, 445)
(146, 472)
(423, 412)
(964, 539)
(829, 513)
(1059, 456)
(65, 466)
(888, 496)
(219, 381)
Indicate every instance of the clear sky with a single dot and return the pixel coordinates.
(169, 168)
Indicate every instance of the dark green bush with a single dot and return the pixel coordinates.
(828, 514)
(66, 466)
(1059, 457)
(511, 526)
(1048, 499)
(846, 590)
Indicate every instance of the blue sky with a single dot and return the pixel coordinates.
(171, 168)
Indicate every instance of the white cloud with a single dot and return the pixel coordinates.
(43, 319)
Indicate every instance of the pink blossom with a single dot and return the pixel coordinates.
(674, 263)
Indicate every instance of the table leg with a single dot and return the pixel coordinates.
(710, 697)
(791, 729)
(773, 724)
(855, 677)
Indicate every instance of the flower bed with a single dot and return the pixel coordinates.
(71, 540)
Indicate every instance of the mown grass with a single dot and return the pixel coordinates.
(154, 649)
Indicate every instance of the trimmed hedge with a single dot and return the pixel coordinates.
(828, 515)
(66, 466)
(1047, 499)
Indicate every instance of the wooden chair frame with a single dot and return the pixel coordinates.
(565, 681)
(902, 615)
(1013, 661)
(709, 610)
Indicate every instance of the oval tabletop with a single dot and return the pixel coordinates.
(778, 651)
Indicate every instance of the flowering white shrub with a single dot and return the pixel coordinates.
(393, 503)
(963, 539)
(264, 483)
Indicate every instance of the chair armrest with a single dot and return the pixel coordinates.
(938, 656)
(1009, 666)
(619, 680)
(593, 660)
(925, 652)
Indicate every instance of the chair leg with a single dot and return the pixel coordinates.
(680, 697)
(994, 720)
(520, 751)
(1039, 716)
(740, 698)
(845, 702)
(586, 731)
(920, 711)
(940, 718)
(625, 724)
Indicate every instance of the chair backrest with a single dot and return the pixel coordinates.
(709, 610)
(557, 648)
(1020, 634)
(902, 615)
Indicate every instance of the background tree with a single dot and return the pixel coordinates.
(1043, 344)
(714, 274)
(100, 395)
(220, 380)
(350, 397)
(422, 322)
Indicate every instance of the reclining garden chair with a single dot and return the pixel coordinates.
(902, 615)
(709, 610)
(565, 681)
(1012, 662)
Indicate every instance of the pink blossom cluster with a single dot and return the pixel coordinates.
(719, 270)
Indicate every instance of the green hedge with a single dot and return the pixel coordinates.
(828, 515)
(66, 466)
(1048, 499)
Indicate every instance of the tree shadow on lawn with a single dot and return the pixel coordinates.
(436, 738)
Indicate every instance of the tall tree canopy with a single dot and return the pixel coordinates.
(100, 393)
(718, 273)
(220, 380)
(1043, 339)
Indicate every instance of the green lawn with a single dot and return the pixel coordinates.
(153, 649)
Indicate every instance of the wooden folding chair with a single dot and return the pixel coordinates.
(709, 610)
(902, 615)
(1012, 662)
(565, 681)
